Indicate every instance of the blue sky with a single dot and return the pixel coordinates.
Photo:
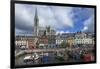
(62, 19)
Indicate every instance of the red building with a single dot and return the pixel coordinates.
(31, 44)
(43, 39)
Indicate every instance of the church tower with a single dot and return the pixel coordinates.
(36, 23)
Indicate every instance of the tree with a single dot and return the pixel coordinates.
(44, 33)
(63, 44)
(48, 29)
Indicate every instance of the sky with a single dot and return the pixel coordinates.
(62, 19)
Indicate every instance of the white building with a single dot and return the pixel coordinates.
(82, 38)
(21, 42)
(83, 41)
(58, 39)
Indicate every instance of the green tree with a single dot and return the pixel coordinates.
(63, 44)
(48, 29)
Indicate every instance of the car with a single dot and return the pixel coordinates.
(29, 59)
(23, 47)
(41, 46)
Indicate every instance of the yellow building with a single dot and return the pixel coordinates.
(70, 41)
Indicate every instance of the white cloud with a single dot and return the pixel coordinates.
(56, 17)
(85, 28)
(89, 24)
(60, 32)
(63, 14)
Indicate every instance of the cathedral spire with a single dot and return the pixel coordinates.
(36, 23)
(36, 15)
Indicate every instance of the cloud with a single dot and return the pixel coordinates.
(23, 19)
(60, 32)
(89, 24)
(56, 17)
(63, 15)
(85, 28)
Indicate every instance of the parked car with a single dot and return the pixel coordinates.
(29, 59)
(23, 47)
